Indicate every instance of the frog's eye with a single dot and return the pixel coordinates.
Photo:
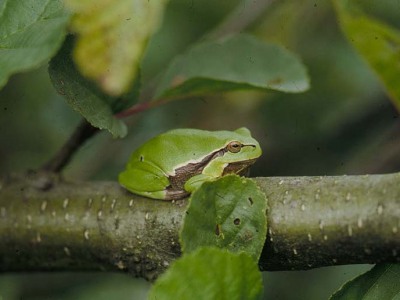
(234, 147)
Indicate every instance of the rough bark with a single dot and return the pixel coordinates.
(49, 224)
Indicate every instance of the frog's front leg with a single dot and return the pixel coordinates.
(196, 181)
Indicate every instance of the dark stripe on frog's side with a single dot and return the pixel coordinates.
(176, 188)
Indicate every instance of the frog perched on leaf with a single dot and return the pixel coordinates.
(172, 165)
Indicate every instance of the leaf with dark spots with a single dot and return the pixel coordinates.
(220, 215)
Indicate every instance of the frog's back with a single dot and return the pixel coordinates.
(180, 145)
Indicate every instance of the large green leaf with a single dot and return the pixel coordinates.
(238, 62)
(112, 36)
(381, 282)
(228, 213)
(210, 273)
(31, 31)
(377, 42)
(82, 95)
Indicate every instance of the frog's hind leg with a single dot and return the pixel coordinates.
(144, 179)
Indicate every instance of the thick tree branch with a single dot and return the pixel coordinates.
(313, 222)
(323, 221)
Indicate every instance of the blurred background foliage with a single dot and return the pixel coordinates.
(345, 124)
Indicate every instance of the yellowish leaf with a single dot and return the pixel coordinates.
(376, 41)
(112, 35)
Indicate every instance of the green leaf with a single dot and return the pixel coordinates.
(31, 31)
(228, 213)
(381, 282)
(210, 273)
(112, 38)
(82, 95)
(238, 62)
(377, 42)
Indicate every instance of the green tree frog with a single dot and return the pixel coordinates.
(172, 165)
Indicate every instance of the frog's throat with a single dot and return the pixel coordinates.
(239, 167)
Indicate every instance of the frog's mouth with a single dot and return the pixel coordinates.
(239, 167)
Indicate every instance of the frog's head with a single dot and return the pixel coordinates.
(241, 150)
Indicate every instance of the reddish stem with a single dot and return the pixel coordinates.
(139, 107)
(133, 110)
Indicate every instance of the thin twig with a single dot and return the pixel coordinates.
(138, 107)
(240, 18)
(83, 132)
